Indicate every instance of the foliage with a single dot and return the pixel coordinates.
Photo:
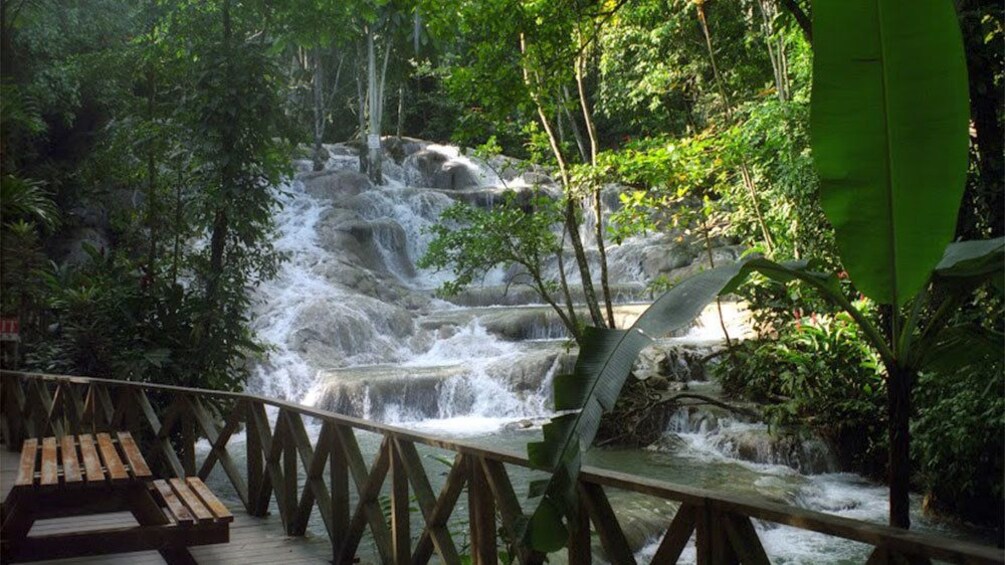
(958, 441)
(819, 373)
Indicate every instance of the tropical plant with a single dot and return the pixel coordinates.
(892, 166)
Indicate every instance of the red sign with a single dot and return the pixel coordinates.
(10, 329)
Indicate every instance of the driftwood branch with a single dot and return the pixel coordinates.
(703, 399)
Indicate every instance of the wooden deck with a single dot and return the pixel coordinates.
(252, 540)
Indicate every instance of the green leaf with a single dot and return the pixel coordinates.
(889, 122)
(972, 259)
(959, 347)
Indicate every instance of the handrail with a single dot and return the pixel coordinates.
(37, 404)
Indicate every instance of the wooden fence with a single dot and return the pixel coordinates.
(170, 419)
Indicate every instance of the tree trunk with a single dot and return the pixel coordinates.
(986, 100)
(153, 220)
(373, 112)
(564, 283)
(364, 162)
(221, 225)
(319, 109)
(571, 221)
(574, 126)
(598, 209)
(399, 131)
(898, 393)
(748, 179)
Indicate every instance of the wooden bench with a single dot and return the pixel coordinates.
(85, 474)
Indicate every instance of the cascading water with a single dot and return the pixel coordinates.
(354, 327)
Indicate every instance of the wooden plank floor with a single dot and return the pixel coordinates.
(253, 541)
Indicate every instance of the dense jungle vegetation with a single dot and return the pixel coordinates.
(139, 142)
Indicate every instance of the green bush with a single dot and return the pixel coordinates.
(959, 442)
(819, 373)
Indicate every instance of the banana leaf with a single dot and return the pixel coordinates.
(889, 119)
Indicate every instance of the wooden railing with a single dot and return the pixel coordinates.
(170, 419)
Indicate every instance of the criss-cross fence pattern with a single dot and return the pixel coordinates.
(170, 419)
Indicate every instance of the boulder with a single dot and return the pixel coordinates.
(401, 147)
(334, 185)
(430, 169)
(70, 247)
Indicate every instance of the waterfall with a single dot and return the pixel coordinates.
(353, 326)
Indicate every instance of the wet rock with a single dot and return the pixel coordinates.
(335, 185)
(430, 169)
(526, 373)
(328, 330)
(658, 383)
(659, 260)
(401, 147)
(535, 177)
(380, 245)
(70, 247)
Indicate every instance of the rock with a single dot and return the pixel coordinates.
(70, 247)
(401, 147)
(333, 185)
(535, 177)
(659, 260)
(430, 169)
(327, 330)
(526, 373)
(659, 383)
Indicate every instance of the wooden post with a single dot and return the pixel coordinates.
(289, 479)
(580, 552)
(256, 469)
(339, 471)
(482, 513)
(187, 442)
(400, 530)
(703, 538)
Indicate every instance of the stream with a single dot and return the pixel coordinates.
(355, 328)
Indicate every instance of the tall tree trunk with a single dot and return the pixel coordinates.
(776, 49)
(578, 135)
(748, 179)
(898, 391)
(598, 208)
(401, 110)
(564, 283)
(361, 94)
(319, 108)
(373, 112)
(986, 101)
(176, 258)
(571, 219)
(718, 299)
(221, 225)
(153, 217)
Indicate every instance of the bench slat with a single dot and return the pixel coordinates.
(92, 464)
(177, 509)
(191, 501)
(116, 469)
(26, 468)
(71, 465)
(212, 502)
(137, 465)
(49, 472)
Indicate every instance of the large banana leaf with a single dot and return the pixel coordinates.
(889, 120)
(605, 359)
